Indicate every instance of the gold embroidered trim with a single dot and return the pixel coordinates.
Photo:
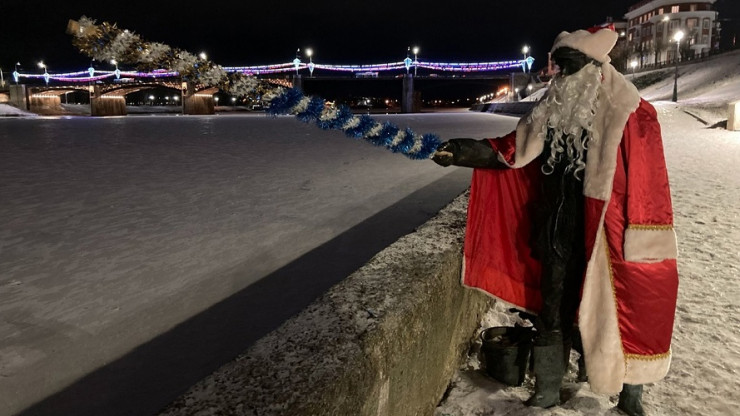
(654, 357)
(650, 227)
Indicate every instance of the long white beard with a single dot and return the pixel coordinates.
(569, 107)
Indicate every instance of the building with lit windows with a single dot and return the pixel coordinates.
(652, 24)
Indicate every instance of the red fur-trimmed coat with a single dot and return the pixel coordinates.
(631, 281)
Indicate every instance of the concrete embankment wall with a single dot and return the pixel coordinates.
(517, 108)
(384, 342)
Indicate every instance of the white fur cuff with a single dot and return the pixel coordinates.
(646, 244)
(642, 370)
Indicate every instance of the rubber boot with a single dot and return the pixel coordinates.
(548, 371)
(582, 373)
(630, 400)
(578, 346)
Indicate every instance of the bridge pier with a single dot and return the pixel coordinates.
(106, 105)
(197, 103)
(298, 82)
(19, 96)
(407, 95)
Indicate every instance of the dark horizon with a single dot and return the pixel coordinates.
(237, 33)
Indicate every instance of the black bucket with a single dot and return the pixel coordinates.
(506, 350)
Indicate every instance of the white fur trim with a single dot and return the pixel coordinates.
(649, 245)
(642, 370)
(489, 294)
(618, 99)
(595, 45)
(597, 321)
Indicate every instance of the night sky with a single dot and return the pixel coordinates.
(339, 31)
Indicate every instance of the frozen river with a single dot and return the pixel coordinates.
(139, 253)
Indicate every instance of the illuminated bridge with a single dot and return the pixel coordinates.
(41, 93)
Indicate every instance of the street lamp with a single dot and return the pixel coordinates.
(416, 58)
(525, 51)
(633, 65)
(203, 56)
(407, 62)
(16, 74)
(216, 100)
(677, 37)
(46, 74)
(309, 53)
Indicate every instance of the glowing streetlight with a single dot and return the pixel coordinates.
(233, 101)
(216, 100)
(46, 74)
(525, 52)
(309, 53)
(203, 56)
(677, 37)
(633, 65)
(416, 58)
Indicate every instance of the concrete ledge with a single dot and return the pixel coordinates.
(385, 341)
(517, 108)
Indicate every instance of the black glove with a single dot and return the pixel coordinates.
(469, 153)
(444, 156)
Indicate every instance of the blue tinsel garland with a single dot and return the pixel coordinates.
(313, 109)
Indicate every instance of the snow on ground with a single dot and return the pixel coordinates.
(8, 110)
(702, 160)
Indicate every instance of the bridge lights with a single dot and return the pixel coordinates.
(525, 62)
(407, 62)
(416, 58)
(46, 74)
(311, 66)
(16, 74)
(117, 71)
(297, 60)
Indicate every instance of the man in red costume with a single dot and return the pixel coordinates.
(571, 214)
